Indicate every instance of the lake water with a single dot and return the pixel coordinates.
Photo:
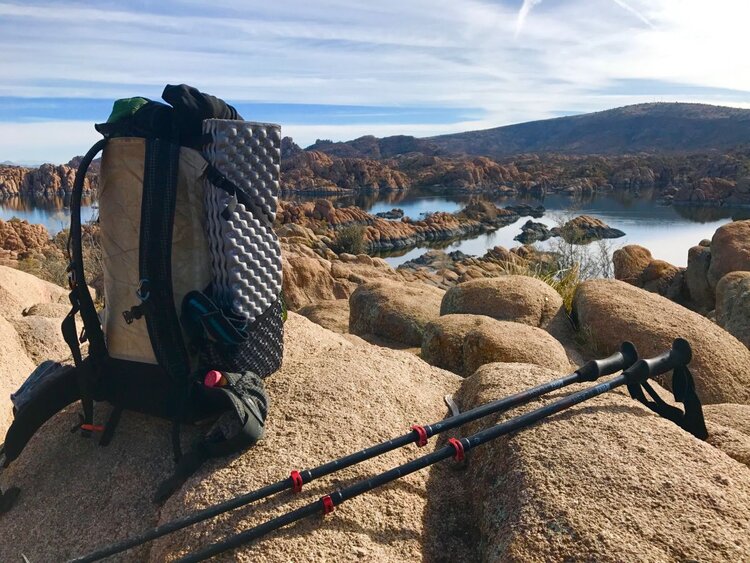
(668, 231)
(53, 213)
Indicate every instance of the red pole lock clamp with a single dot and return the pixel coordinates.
(327, 504)
(421, 435)
(296, 482)
(458, 447)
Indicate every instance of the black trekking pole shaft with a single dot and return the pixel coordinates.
(638, 372)
(590, 371)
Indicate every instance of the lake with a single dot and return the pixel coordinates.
(668, 231)
(53, 212)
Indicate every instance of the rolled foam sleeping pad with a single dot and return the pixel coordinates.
(245, 251)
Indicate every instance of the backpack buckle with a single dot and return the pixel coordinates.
(72, 282)
(135, 313)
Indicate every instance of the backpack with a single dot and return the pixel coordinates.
(193, 316)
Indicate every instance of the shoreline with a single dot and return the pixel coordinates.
(433, 190)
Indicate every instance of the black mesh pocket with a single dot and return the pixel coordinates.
(261, 353)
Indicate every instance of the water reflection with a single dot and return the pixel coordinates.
(52, 212)
(668, 231)
(710, 214)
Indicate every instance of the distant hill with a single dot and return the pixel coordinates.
(641, 128)
(24, 164)
(370, 146)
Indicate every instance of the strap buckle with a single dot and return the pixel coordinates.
(137, 311)
(72, 281)
(134, 313)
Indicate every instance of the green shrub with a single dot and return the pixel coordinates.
(350, 239)
(51, 263)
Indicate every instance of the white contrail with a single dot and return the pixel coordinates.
(523, 12)
(633, 11)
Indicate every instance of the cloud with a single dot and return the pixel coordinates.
(55, 141)
(504, 63)
(633, 11)
(523, 14)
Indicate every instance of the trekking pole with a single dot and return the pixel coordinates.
(680, 354)
(591, 371)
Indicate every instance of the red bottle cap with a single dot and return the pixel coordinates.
(213, 378)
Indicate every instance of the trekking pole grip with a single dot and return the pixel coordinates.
(620, 360)
(679, 355)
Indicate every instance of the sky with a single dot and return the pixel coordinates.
(335, 69)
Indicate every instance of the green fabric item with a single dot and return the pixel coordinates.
(125, 107)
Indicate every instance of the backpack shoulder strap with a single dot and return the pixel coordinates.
(49, 389)
(155, 272)
(155, 258)
(80, 297)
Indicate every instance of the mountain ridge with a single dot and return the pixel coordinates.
(640, 128)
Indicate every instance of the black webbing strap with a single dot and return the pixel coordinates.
(683, 389)
(155, 258)
(80, 298)
(155, 265)
(223, 183)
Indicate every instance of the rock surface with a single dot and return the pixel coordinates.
(22, 237)
(585, 228)
(343, 383)
(15, 366)
(19, 290)
(394, 311)
(47, 180)
(733, 305)
(380, 234)
(463, 343)
(634, 264)
(730, 250)
(604, 481)
(325, 378)
(532, 232)
(308, 279)
(49, 310)
(663, 278)
(42, 338)
(611, 311)
(520, 299)
(630, 261)
(26, 340)
(317, 172)
(331, 314)
(729, 430)
(696, 278)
